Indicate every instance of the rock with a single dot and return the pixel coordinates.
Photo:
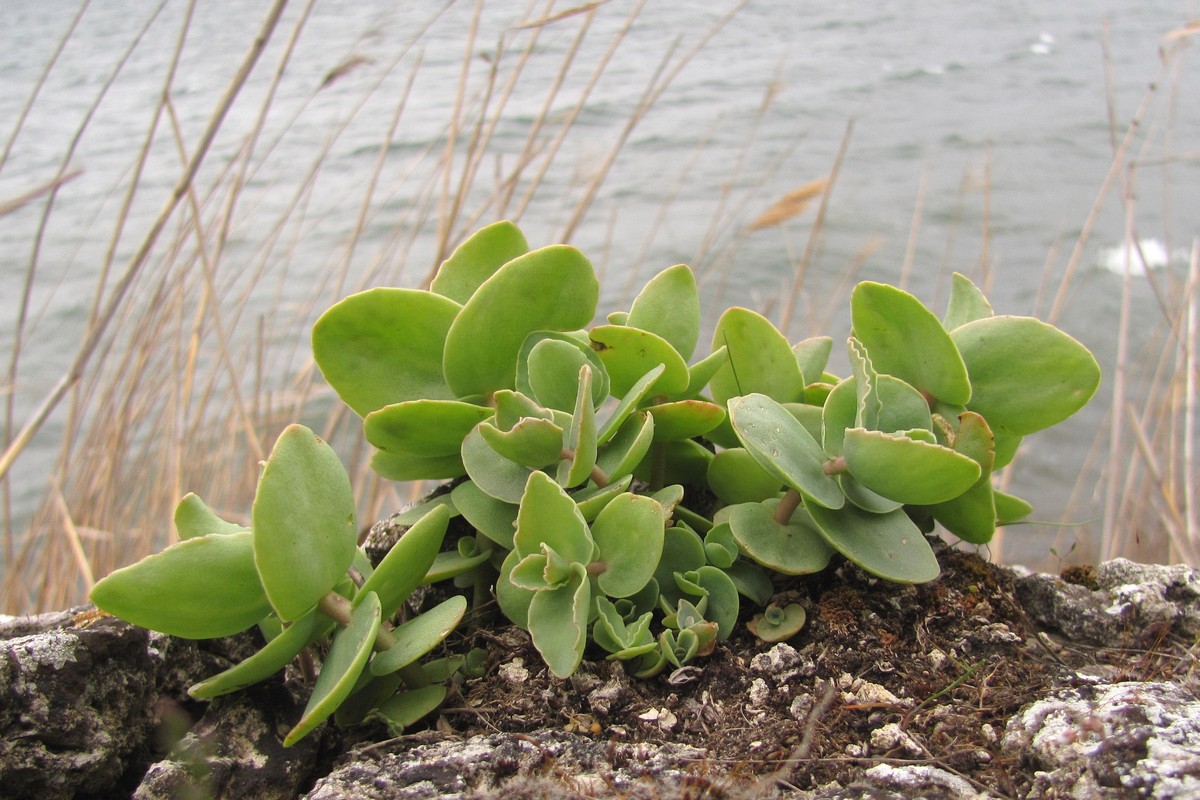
(543, 764)
(1129, 603)
(1129, 739)
(89, 704)
(80, 704)
(235, 751)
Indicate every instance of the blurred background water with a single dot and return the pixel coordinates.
(988, 122)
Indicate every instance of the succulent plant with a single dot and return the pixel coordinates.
(624, 490)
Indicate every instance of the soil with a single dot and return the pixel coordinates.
(881, 673)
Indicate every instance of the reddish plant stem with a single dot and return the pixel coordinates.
(787, 507)
(835, 466)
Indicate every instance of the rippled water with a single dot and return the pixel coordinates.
(991, 118)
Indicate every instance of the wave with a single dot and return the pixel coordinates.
(1148, 254)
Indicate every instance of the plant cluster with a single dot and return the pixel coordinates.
(621, 490)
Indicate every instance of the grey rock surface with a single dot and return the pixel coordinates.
(86, 707)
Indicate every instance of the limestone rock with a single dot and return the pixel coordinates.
(1129, 739)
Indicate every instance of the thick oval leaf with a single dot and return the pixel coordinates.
(410, 467)
(513, 600)
(967, 303)
(722, 594)
(552, 369)
(531, 442)
(629, 353)
(812, 355)
(902, 408)
(341, 669)
(905, 339)
(629, 536)
(553, 288)
(887, 545)
(684, 419)
(419, 635)
(683, 462)
(385, 346)
(700, 373)
(200, 588)
(752, 581)
(760, 359)
(303, 520)
(452, 563)
(669, 305)
(549, 515)
(735, 477)
(1010, 508)
(683, 551)
(972, 515)
(629, 403)
(423, 427)
(494, 518)
(273, 657)
(907, 470)
(193, 518)
(1026, 375)
(864, 498)
(793, 549)
(558, 622)
(593, 499)
(403, 568)
(409, 707)
(477, 259)
(782, 446)
(494, 474)
(627, 449)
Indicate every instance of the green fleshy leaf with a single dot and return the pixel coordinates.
(368, 695)
(494, 474)
(558, 622)
(273, 657)
(760, 359)
(812, 355)
(1010, 508)
(1026, 375)
(581, 437)
(686, 463)
(906, 340)
(200, 588)
(720, 548)
(408, 467)
(669, 306)
(549, 515)
(553, 288)
(532, 442)
(407, 708)
(629, 353)
(735, 477)
(972, 515)
(902, 408)
(628, 448)
(683, 551)
(341, 669)
(419, 635)
(684, 419)
(423, 427)
(784, 448)
(385, 346)
(700, 373)
(193, 518)
(778, 624)
(404, 567)
(888, 545)
(967, 303)
(512, 407)
(513, 600)
(793, 549)
(452, 563)
(629, 403)
(869, 404)
(303, 521)
(494, 518)
(752, 581)
(629, 536)
(477, 259)
(552, 367)
(863, 497)
(594, 499)
(722, 594)
(907, 470)
(413, 513)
